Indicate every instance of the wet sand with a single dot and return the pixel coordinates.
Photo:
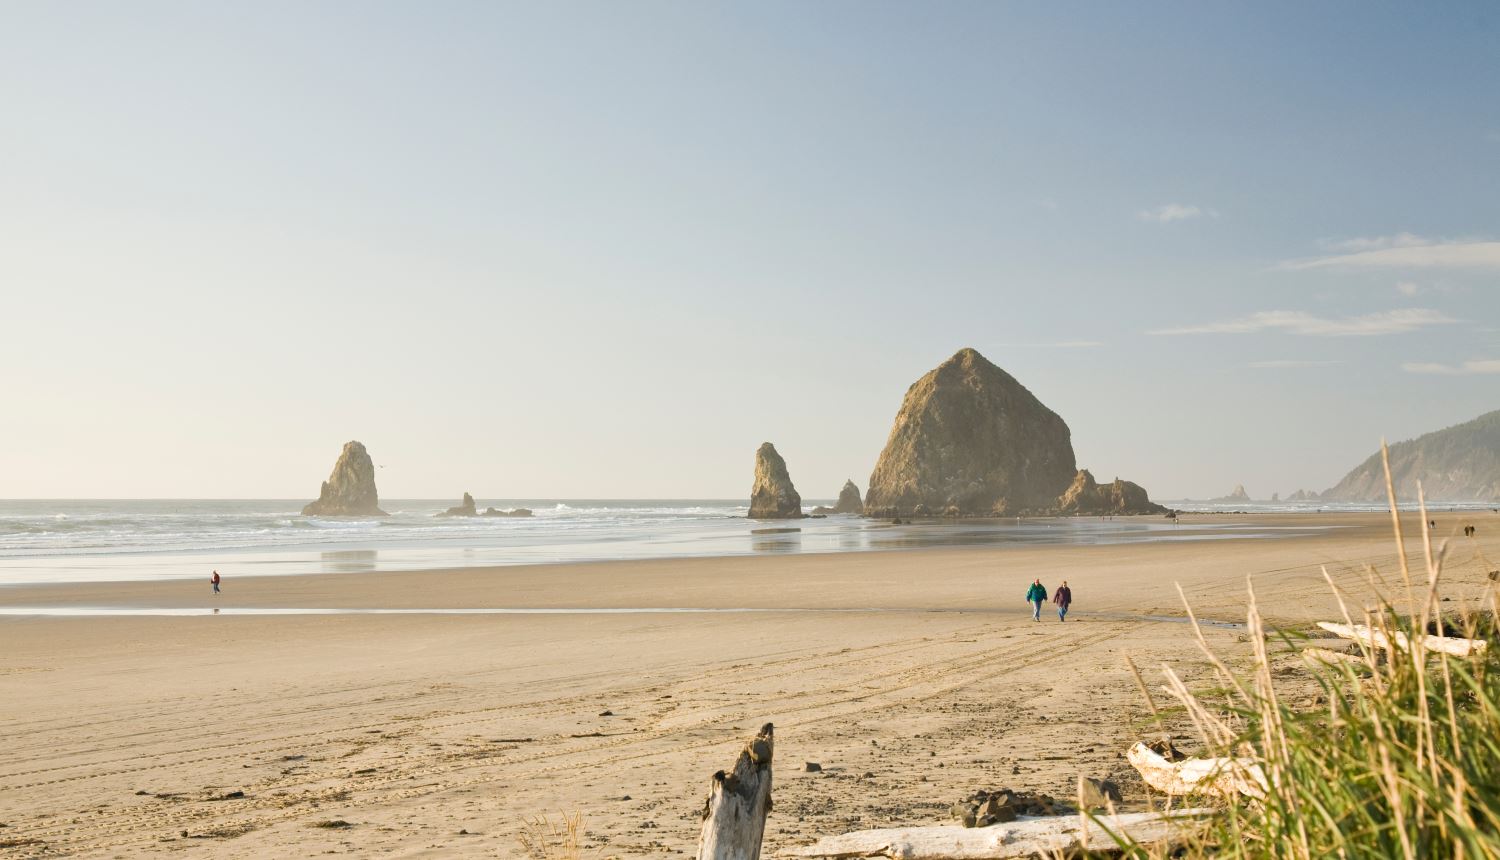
(442, 735)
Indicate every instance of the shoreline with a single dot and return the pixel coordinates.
(461, 587)
(916, 678)
(925, 536)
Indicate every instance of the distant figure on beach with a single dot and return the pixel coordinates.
(215, 581)
(1062, 598)
(1036, 595)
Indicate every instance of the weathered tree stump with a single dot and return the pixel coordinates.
(734, 816)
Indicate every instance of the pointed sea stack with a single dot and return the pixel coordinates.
(972, 441)
(849, 501)
(773, 497)
(466, 509)
(350, 490)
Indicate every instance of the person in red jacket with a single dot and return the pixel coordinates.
(215, 581)
(1062, 598)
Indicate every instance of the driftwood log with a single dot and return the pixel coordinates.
(734, 816)
(1375, 638)
(1333, 658)
(1025, 838)
(1212, 777)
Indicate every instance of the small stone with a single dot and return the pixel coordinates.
(1098, 792)
(811, 767)
(606, 713)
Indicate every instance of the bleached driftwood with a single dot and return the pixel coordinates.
(734, 816)
(1214, 777)
(1023, 838)
(1375, 638)
(1323, 655)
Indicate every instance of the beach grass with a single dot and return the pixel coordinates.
(1398, 754)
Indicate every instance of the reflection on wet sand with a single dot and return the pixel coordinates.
(349, 561)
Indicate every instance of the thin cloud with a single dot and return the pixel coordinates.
(1404, 251)
(1280, 363)
(1170, 212)
(1062, 344)
(1299, 322)
(1468, 368)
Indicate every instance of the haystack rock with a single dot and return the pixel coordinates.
(1085, 496)
(466, 509)
(970, 440)
(350, 490)
(773, 497)
(849, 501)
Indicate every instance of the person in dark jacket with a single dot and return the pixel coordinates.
(1062, 598)
(215, 581)
(1036, 595)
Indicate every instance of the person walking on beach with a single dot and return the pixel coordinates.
(1036, 595)
(1062, 598)
(215, 581)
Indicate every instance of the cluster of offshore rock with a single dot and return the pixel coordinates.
(468, 509)
(350, 492)
(968, 441)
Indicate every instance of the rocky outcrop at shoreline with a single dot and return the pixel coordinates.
(466, 509)
(1085, 496)
(772, 497)
(350, 489)
(514, 512)
(970, 440)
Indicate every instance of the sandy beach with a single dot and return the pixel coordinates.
(912, 677)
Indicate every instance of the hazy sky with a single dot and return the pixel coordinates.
(560, 249)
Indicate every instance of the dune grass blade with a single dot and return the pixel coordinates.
(1404, 759)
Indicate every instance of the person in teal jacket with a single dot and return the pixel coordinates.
(1036, 595)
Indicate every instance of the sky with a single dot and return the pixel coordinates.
(604, 250)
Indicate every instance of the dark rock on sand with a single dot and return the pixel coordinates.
(464, 510)
(1098, 793)
(773, 497)
(350, 489)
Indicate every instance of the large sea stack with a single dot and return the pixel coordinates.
(350, 490)
(1459, 464)
(972, 441)
(773, 497)
(849, 501)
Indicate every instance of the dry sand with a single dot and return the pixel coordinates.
(432, 735)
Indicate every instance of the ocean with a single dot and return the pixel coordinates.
(48, 541)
